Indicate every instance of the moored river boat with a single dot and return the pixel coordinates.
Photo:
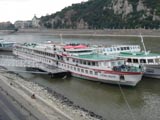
(136, 57)
(6, 45)
(149, 61)
(82, 61)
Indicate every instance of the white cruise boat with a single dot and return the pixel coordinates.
(6, 45)
(82, 62)
(116, 49)
(149, 61)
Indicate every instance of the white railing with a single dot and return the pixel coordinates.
(15, 62)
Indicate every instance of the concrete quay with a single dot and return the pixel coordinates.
(44, 106)
(36, 107)
(95, 33)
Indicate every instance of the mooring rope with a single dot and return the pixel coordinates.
(125, 99)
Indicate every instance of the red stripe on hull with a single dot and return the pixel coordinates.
(123, 73)
(85, 75)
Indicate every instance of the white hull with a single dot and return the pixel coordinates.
(129, 80)
(94, 73)
(152, 71)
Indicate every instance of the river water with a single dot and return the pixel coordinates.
(143, 101)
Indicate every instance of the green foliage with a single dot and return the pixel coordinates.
(99, 14)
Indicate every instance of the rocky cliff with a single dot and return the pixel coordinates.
(103, 14)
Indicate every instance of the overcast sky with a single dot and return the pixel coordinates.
(12, 10)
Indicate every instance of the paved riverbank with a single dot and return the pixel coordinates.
(46, 105)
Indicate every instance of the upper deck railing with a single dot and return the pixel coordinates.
(12, 61)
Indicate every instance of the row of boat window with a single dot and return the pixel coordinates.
(77, 69)
(129, 60)
(122, 48)
(36, 57)
(90, 63)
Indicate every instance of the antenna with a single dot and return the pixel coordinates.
(143, 43)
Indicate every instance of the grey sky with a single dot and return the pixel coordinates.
(12, 10)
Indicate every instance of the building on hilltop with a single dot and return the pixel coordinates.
(23, 24)
(35, 22)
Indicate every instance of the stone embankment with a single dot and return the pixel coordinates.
(86, 32)
(51, 104)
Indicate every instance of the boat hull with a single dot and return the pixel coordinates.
(6, 49)
(129, 80)
(152, 71)
(87, 72)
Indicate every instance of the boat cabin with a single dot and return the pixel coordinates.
(78, 49)
(141, 58)
(120, 48)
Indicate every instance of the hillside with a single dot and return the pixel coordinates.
(104, 14)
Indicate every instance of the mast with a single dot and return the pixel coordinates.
(143, 43)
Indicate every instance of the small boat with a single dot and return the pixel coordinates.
(81, 61)
(6, 45)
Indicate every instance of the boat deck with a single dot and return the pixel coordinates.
(15, 62)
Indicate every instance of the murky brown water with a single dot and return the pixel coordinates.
(104, 99)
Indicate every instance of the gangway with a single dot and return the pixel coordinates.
(20, 71)
(13, 61)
